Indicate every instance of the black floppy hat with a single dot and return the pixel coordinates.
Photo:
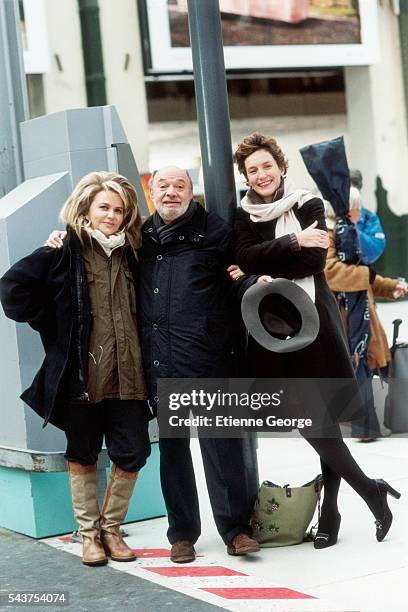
(280, 316)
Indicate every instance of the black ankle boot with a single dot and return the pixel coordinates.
(324, 540)
(384, 519)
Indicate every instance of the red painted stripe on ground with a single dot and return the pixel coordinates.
(208, 570)
(66, 538)
(151, 552)
(258, 593)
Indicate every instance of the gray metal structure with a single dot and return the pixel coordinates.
(58, 150)
(13, 97)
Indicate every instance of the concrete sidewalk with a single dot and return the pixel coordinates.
(358, 574)
(29, 565)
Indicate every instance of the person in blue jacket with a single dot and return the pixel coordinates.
(372, 237)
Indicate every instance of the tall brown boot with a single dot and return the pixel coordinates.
(115, 506)
(86, 511)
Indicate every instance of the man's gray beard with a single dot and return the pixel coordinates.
(175, 214)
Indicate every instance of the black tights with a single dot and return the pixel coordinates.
(337, 462)
(329, 510)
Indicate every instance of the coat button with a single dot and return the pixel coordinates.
(181, 237)
(156, 290)
(155, 326)
(159, 257)
(156, 399)
(196, 240)
(156, 363)
(150, 230)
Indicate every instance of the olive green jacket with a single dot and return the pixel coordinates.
(115, 368)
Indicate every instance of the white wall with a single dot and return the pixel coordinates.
(178, 142)
(125, 87)
(64, 89)
(377, 118)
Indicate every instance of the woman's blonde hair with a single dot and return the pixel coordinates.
(75, 209)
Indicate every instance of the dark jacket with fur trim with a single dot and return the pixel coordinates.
(48, 290)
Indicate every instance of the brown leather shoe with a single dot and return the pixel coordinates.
(182, 552)
(116, 547)
(92, 549)
(242, 544)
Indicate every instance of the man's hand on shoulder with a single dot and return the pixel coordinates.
(56, 239)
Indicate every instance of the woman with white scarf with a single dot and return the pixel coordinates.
(281, 233)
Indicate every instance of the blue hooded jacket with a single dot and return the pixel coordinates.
(372, 237)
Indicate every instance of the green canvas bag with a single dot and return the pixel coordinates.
(282, 514)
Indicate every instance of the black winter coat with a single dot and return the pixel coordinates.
(186, 301)
(259, 252)
(48, 290)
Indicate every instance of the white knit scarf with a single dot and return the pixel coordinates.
(287, 222)
(108, 243)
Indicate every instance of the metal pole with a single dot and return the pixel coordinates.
(215, 140)
(212, 106)
(13, 98)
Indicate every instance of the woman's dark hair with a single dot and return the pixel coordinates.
(255, 142)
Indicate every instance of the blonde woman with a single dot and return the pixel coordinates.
(81, 299)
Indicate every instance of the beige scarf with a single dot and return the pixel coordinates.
(287, 222)
(108, 243)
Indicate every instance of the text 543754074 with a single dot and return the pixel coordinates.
(32, 598)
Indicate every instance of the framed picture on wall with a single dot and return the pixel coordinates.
(262, 35)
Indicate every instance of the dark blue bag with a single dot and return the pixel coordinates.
(327, 164)
(347, 241)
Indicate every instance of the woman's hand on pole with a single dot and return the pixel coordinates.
(55, 239)
(313, 237)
